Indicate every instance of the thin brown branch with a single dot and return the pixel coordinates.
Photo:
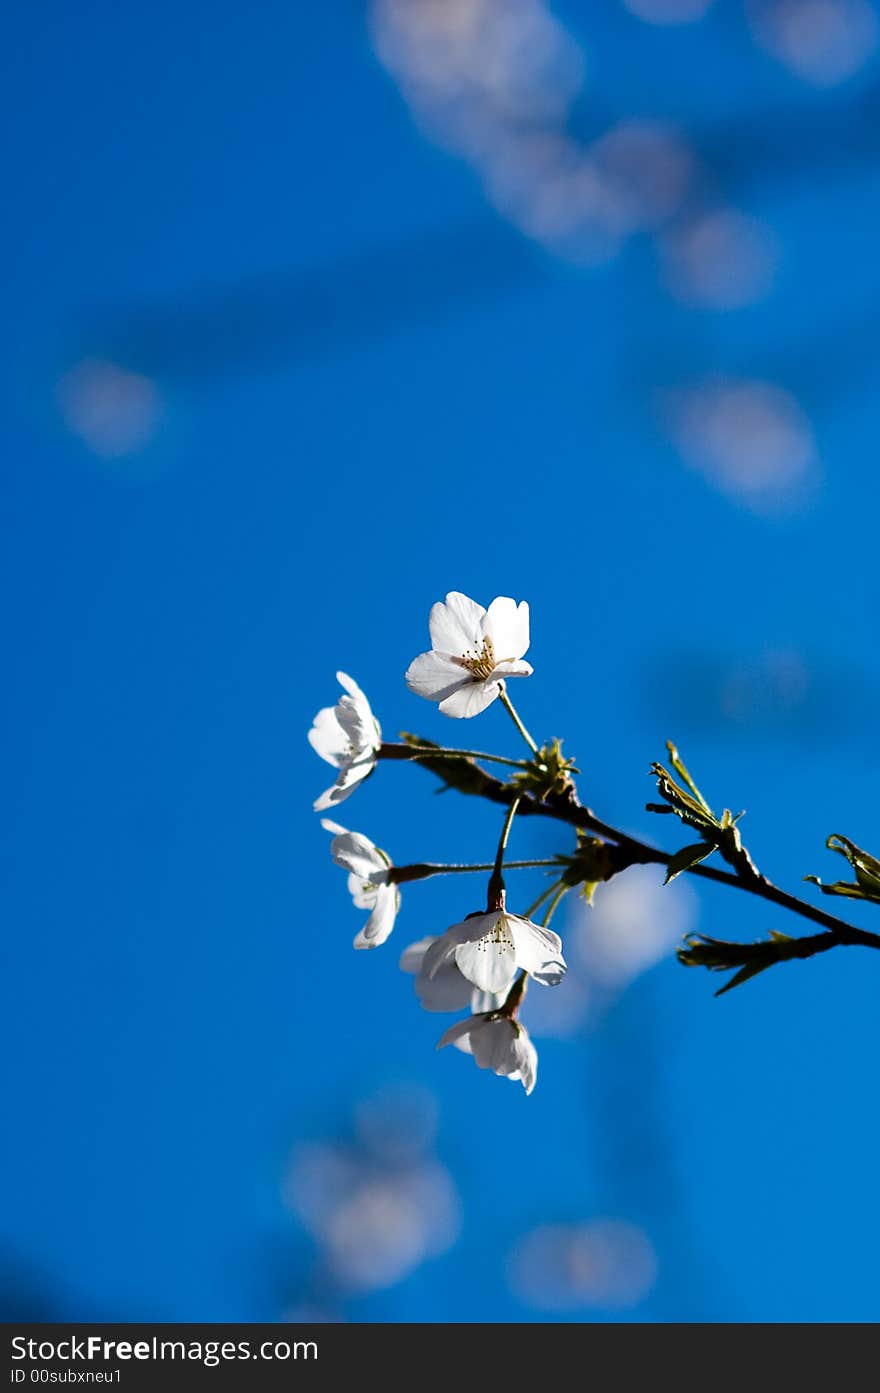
(567, 808)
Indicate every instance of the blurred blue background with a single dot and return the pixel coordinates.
(313, 313)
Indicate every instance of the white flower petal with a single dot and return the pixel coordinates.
(501, 1045)
(330, 826)
(483, 1002)
(517, 668)
(327, 738)
(538, 950)
(447, 990)
(356, 853)
(363, 892)
(527, 1060)
(470, 699)
(358, 702)
(457, 1034)
(434, 677)
(349, 777)
(326, 799)
(489, 963)
(507, 625)
(492, 1043)
(360, 727)
(381, 921)
(439, 984)
(411, 958)
(455, 626)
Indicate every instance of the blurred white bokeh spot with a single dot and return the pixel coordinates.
(381, 1207)
(471, 66)
(720, 259)
(389, 1225)
(113, 411)
(634, 922)
(778, 680)
(583, 202)
(750, 439)
(822, 41)
(399, 1122)
(495, 81)
(668, 11)
(604, 1263)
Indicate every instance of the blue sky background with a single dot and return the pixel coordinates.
(278, 373)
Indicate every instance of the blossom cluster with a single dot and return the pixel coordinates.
(482, 964)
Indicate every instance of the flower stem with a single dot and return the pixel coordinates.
(513, 1000)
(641, 853)
(509, 707)
(536, 904)
(421, 870)
(495, 898)
(392, 750)
(562, 889)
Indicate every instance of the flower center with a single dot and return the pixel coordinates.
(499, 936)
(481, 664)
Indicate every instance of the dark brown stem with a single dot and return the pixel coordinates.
(565, 807)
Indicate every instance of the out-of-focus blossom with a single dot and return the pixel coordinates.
(347, 736)
(646, 170)
(778, 683)
(495, 80)
(605, 1264)
(497, 1043)
(668, 11)
(448, 989)
(584, 201)
(488, 950)
(750, 439)
(398, 1123)
(473, 651)
(468, 67)
(721, 260)
(374, 1220)
(822, 41)
(113, 411)
(633, 923)
(368, 884)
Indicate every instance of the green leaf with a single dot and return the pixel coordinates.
(688, 857)
(866, 867)
(457, 773)
(718, 955)
(547, 772)
(593, 862)
(678, 765)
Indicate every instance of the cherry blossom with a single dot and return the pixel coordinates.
(347, 736)
(473, 652)
(489, 948)
(368, 884)
(447, 989)
(496, 1042)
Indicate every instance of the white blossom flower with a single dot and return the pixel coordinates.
(497, 1043)
(489, 948)
(473, 650)
(368, 883)
(448, 989)
(348, 736)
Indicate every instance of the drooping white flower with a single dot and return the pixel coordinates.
(497, 1043)
(368, 884)
(448, 989)
(489, 948)
(348, 736)
(473, 651)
